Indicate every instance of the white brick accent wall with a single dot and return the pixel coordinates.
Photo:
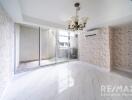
(95, 49)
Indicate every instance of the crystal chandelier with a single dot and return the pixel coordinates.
(75, 23)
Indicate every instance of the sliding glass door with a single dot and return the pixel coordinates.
(73, 47)
(37, 46)
(27, 47)
(62, 47)
(54, 46)
(47, 46)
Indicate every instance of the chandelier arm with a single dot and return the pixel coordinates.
(81, 26)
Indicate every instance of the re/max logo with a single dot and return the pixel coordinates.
(116, 89)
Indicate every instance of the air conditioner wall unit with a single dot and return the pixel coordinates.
(92, 32)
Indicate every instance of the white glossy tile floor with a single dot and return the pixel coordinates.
(69, 81)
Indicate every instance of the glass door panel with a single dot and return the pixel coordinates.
(62, 47)
(73, 49)
(27, 47)
(48, 46)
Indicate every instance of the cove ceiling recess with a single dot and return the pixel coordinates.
(55, 13)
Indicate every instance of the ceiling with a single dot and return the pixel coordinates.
(55, 13)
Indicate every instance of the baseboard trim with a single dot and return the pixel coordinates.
(123, 69)
(98, 67)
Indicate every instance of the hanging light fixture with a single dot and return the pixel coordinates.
(75, 23)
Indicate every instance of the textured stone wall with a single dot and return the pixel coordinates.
(95, 49)
(6, 49)
(122, 47)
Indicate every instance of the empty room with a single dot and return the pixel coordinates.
(65, 49)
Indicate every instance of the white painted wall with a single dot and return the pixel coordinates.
(17, 46)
